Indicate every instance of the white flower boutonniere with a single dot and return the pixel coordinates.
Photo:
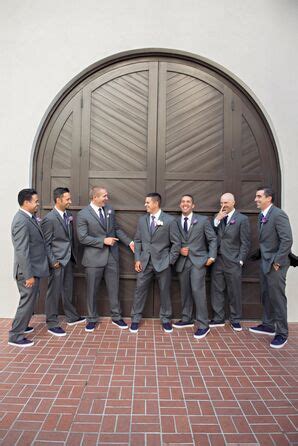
(70, 218)
(109, 213)
(159, 223)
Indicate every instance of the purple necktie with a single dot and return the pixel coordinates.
(152, 224)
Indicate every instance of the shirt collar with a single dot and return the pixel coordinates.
(265, 211)
(26, 212)
(59, 212)
(94, 207)
(188, 216)
(157, 215)
(230, 214)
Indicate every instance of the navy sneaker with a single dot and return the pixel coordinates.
(21, 343)
(90, 326)
(183, 324)
(134, 328)
(57, 331)
(120, 323)
(262, 329)
(201, 333)
(236, 326)
(78, 321)
(29, 330)
(213, 323)
(167, 327)
(278, 342)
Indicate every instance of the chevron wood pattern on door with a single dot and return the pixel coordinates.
(156, 124)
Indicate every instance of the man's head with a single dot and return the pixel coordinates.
(62, 198)
(99, 196)
(264, 197)
(227, 202)
(152, 202)
(187, 204)
(28, 200)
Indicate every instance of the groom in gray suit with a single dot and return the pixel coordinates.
(153, 257)
(275, 238)
(57, 227)
(233, 239)
(30, 264)
(198, 247)
(99, 233)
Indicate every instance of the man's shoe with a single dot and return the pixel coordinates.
(29, 330)
(78, 321)
(213, 324)
(278, 342)
(120, 323)
(134, 328)
(90, 326)
(182, 324)
(236, 326)
(57, 331)
(21, 343)
(167, 327)
(201, 333)
(262, 329)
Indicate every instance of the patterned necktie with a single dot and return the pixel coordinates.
(152, 224)
(185, 225)
(101, 216)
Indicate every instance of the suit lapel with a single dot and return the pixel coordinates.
(61, 221)
(34, 222)
(261, 225)
(94, 215)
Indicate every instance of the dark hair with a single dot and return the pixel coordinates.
(188, 195)
(58, 192)
(155, 197)
(268, 192)
(25, 195)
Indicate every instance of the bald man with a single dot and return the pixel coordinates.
(233, 242)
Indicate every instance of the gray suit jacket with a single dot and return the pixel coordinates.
(30, 255)
(275, 237)
(234, 239)
(59, 238)
(157, 246)
(91, 234)
(200, 239)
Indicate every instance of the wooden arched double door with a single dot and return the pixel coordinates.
(156, 123)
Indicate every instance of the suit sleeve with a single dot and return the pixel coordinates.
(284, 233)
(48, 232)
(83, 235)
(176, 242)
(138, 243)
(20, 237)
(211, 239)
(244, 239)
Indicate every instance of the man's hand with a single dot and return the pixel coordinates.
(56, 265)
(184, 251)
(138, 266)
(132, 246)
(110, 241)
(276, 266)
(222, 214)
(209, 261)
(30, 282)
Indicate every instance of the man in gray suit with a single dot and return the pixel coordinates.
(198, 247)
(275, 238)
(58, 232)
(233, 240)
(30, 264)
(99, 233)
(153, 257)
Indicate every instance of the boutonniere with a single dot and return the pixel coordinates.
(38, 219)
(109, 213)
(69, 218)
(264, 219)
(232, 222)
(195, 221)
(159, 223)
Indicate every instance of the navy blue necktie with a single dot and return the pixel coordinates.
(65, 218)
(185, 225)
(101, 216)
(152, 224)
(225, 220)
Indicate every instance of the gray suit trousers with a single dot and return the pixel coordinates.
(28, 297)
(193, 290)
(226, 278)
(60, 284)
(274, 300)
(110, 272)
(144, 279)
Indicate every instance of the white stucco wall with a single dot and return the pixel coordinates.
(44, 44)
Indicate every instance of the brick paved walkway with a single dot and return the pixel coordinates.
(111, 387)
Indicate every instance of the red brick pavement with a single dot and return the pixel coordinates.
(111, 387)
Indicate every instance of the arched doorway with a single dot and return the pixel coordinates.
(156, 120)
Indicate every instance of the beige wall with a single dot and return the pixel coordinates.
(44, 44)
